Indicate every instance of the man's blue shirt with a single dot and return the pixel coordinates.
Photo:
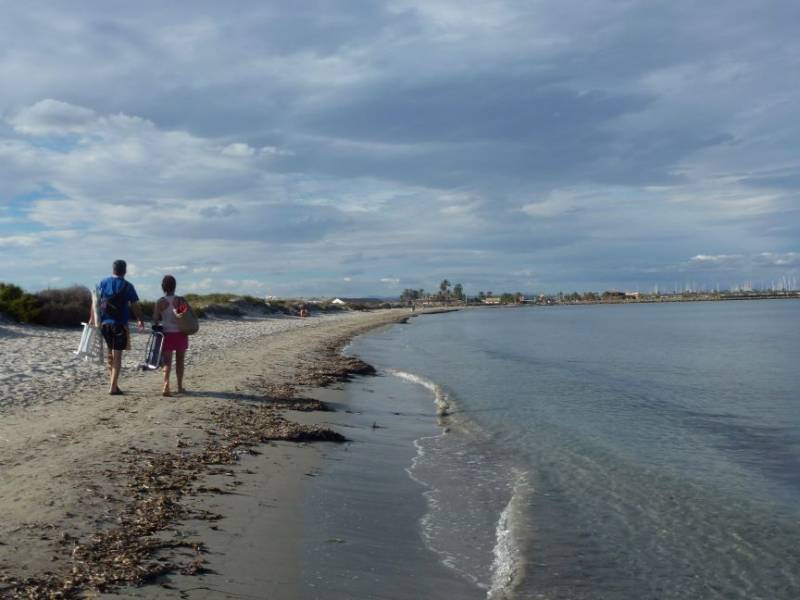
(110, 286)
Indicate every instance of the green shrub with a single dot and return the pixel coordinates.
(18, 305)
(222, 310)
(147, 307)
(64, 307)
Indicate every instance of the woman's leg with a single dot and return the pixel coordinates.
(167, 369)
(180, 356)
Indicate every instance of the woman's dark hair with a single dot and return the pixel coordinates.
(168, 285)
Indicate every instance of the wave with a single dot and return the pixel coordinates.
(508, 565)
(470, 462)
(441, 398)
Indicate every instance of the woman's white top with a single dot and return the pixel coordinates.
(168, 321)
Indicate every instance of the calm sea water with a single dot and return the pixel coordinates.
(619, 452)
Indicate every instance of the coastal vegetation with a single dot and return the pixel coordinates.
(52, 307)
(232, 305)
(445, 294)
(68, 307)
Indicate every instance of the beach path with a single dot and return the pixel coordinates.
(66, 445)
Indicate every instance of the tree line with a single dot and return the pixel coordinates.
(447, 292)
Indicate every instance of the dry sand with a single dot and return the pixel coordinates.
(92, 485)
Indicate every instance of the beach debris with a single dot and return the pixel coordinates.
(284, 395)
(333, 369)
(135, 551)
(132, 546)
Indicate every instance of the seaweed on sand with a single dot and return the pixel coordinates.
(136, 551)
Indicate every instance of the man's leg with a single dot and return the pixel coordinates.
(167, 369)
(116, 367)
(180, 357)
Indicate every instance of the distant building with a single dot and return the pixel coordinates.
(492, 300)
(613, 295)
(632, 296)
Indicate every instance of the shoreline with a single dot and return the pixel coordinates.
(93, 485)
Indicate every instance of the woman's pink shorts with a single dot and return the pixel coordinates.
(175, 341)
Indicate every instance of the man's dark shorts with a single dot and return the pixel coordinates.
(116, 336)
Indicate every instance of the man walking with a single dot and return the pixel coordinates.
(115, 295)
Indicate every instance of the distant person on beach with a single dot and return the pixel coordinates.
(174, 340)
(116, 295)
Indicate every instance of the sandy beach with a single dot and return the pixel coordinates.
(96, 490)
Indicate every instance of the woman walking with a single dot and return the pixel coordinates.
(174, 340)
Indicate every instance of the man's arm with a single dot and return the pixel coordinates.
(133, 298)
(137, 312)
(94, 320)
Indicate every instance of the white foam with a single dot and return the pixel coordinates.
(440, 397)
(508, 564)
(508, 561)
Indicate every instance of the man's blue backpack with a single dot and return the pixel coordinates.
(113, 307)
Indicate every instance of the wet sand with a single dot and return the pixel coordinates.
(101, 491)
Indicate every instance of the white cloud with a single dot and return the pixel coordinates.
(208, 269)
(238, 149)
(772, 259)
(715, 259)
(18, 241)
(556, 203)
(53, 117)
(422, 138)
(203, 285)
(243, 284)
(174, 269)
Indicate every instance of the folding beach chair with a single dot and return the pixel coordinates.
(153, 350)
(90, 348)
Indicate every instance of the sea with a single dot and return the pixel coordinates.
(638, 451)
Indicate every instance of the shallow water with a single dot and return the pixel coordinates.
(361, 536)
(637, 451)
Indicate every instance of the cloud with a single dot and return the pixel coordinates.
(217, 212)
(53, 117)
(18, 241)
(238, 149)
(717, 260)
(771, 259)
(598, 148)
(243, 284)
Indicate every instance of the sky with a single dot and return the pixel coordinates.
(362, 147)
